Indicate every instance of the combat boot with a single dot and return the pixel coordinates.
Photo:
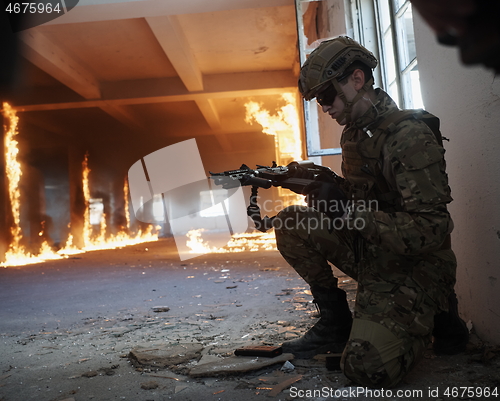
(331, 331)
(451, 334)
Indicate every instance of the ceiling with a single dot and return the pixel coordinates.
(134, 76)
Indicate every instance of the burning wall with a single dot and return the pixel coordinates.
(62, 214)
(22, 248)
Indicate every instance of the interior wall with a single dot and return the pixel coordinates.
(331, 22)
(467, 100)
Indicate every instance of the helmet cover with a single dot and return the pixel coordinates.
(329, 61)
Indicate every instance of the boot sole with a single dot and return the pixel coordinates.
(333, 348)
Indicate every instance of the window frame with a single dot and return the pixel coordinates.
(310, 108)
(406, 94)
(362, 20)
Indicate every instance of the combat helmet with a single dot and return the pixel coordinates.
(329, 61)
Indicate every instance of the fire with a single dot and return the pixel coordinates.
(13, 172)
(17, 255)
(285, 128)
(87, 228)
(101, 240)
(127, 210)
(239, 243)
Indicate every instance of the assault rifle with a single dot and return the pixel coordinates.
(270, 176)
(267, 177)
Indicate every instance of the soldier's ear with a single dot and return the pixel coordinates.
(358, 77)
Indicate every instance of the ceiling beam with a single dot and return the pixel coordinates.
(165, 90)
(174, 43)
(108, 10)
(47, 56)
(224, 143)
(209, 111)
(123, 115)
(50, 58)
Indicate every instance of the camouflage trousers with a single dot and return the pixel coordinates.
(397, 295)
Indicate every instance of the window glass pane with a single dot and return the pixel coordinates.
(406, 38)
(413, 95)
(385, 14)
(389, 59)
(398, 4)
(393, 92)
(398, 53)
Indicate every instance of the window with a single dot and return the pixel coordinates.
(318, 20)
(398, 59)
(96, 211)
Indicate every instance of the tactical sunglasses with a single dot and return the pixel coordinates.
(327, 96)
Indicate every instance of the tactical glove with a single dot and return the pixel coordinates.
(324, 195)
(295, 170)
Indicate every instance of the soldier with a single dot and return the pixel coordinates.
(471, 25)
(386, 226)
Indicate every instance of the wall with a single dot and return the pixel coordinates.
(467, 99)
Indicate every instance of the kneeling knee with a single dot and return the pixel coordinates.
(290, 217)
(363, 364)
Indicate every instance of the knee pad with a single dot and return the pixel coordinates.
(375, 357)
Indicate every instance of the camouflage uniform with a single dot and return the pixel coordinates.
(399, 253)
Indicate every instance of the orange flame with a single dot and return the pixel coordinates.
(17, 255)
(102, 240)
(285, 128)
(239, 243)
(86, 195)
(127, 210)
(13, 172)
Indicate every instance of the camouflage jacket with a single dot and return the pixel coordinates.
(410, 164)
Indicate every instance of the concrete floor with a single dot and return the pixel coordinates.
(68, 326)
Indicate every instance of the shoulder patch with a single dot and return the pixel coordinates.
(418, 158)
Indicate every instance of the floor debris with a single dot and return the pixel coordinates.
(150, 385)
(164, 356)
(105, 340)
(159, 309)
(283, 385)
(237, 364)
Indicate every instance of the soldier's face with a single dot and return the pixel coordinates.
(332, 104)
(335, 107)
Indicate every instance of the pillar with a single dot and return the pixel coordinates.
(6, 219)
(77, 204)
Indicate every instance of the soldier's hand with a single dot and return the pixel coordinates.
(325, 196)
(296, 171)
